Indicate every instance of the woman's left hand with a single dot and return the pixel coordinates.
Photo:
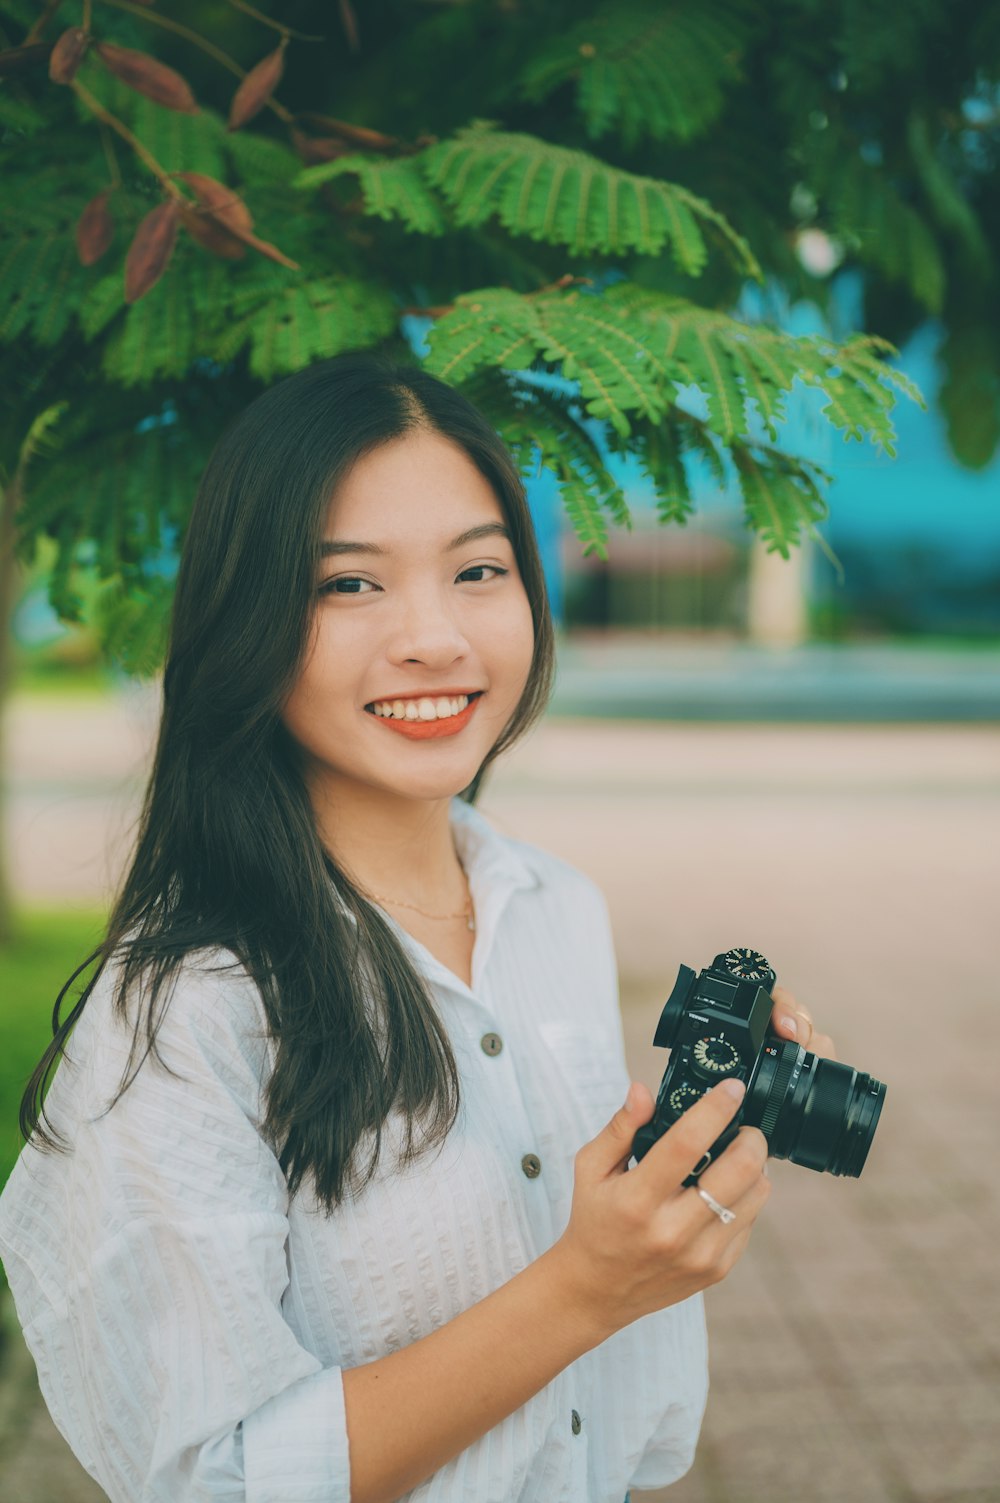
(791, 1020)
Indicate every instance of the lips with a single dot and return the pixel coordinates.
(429, 730)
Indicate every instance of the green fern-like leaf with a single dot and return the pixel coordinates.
(103, 302)
(20, 114)
(630, 350)
(644, 68)
(660, 450)
(541, 428)
(781, 495)
(289, 324)
(566, 197)
(578, 446)
(162, 333)
(41, 279)
(392, 188)
(970, 395)
(728, 360)
(179, 142)
(133, 623)
(886, 232)
(259, 159)
(615, 370)
(125, 469)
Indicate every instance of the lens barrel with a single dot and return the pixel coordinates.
(816, 1112)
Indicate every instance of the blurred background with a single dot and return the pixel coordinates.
(800, 754)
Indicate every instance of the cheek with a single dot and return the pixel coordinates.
(315, 689)
(523, 638)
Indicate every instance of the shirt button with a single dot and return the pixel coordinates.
(576, 1423)
(532, 1165)
(491, 1043)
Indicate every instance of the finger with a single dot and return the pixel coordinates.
(740, 1231)
(793, 1023)
(735, 1171)
(674, 1155)
(745, 1204)
(611, 1150)
(823, 1045)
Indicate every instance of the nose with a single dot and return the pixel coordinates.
(427, 630)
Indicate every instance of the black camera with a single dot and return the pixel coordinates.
(715, 1023)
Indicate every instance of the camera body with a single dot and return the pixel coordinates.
(716, 1023)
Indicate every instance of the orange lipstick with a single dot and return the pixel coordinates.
(428, 730)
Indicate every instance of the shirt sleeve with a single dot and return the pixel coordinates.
(148, 1267)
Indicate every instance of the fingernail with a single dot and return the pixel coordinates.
(789, 1024)
(734, 1088)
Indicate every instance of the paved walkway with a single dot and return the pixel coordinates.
(856, 1347)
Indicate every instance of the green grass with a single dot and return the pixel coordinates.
(49, 946)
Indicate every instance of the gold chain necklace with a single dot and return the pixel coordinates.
(467, 912)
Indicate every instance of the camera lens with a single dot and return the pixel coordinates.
(816, 1112)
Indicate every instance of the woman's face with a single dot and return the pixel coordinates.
(405, 617)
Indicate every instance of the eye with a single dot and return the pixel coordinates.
(350, 580)
(478, 569)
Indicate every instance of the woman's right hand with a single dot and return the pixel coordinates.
(637, 1240)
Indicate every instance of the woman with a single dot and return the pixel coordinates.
(329, 1197)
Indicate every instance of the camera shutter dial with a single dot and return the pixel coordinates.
(715, 1055)
(683, 1096)
(748, 965)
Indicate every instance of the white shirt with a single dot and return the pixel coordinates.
(190, 1323)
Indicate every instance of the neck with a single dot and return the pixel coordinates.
(402, 848)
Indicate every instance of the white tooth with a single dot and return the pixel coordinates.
(398, 709)
(456, 704)
(412, 710)
(443, 707)
(426, 710)
(383, 709)
(461, 702)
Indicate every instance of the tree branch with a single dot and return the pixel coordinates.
(148, 160)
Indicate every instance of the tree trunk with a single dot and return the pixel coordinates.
(9, 576)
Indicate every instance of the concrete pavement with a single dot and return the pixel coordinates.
(856, 1346)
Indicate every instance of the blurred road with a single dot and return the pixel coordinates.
(856, 1347)
(656, 677)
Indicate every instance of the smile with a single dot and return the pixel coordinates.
(425, 719)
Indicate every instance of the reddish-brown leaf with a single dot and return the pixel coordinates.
(257, 88)
(146, 76)
(68, 54)
(208, 232)
(151, 249)
(313, 149)
(265, 248)
(223, 203)
(349, 22)
(223, 219)
(358, 135)
(95, 229)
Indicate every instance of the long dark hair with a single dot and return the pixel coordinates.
(227, 852)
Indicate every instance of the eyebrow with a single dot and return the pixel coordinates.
(486, 530)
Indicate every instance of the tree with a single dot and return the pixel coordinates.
(572, 188)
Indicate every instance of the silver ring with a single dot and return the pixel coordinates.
(724, 1214)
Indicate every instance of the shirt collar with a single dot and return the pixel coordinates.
(485, 854)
